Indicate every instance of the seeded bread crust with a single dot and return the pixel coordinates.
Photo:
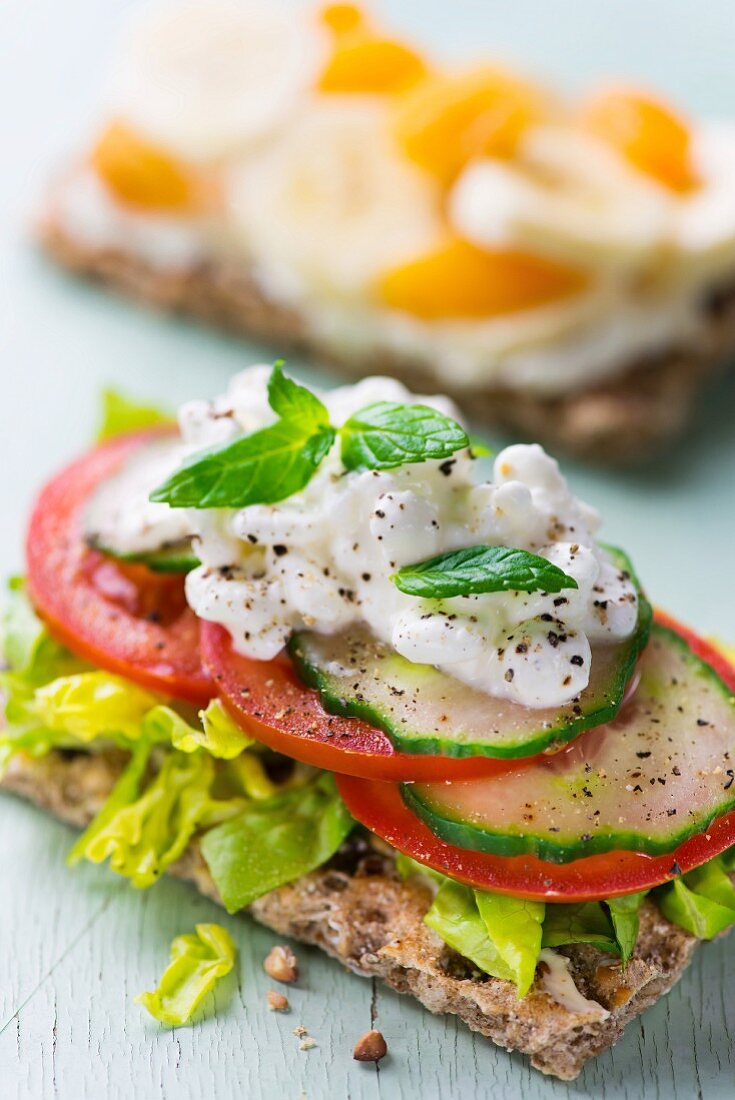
(621, 421)
(359, 911)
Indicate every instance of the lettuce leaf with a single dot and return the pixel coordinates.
(500, 935)
(503, 935)
(514, 927)
(53, 700)
(120, 414)
(218, 733)
(142, 832)
(93, 704)
(727, 859)
(198, 961)
(22, 631)
(30, 653)
(454, 916)
(702, 901)
(586, 922)
(407, 867)
(625, 922)
(276, 840)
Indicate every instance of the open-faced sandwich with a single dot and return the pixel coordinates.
(565, 269)
(301, 653)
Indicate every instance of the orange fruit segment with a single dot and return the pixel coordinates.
(141, 174)
(448, 119)
(647, 132)
(367, 64)
(458, 280)
(343, 18)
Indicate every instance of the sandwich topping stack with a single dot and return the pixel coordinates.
(300, 649)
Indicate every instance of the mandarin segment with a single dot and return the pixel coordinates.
(459, 280)
(647, 132)
(143, 175)
(448, 119)
(367, 64)
(343, 18)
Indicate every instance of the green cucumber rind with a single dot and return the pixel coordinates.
(432, 745)
(470, 837)
(173, 560)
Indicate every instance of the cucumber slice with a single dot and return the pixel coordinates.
(660, 773)
(177, 558)
(425, 711)
(121, 522)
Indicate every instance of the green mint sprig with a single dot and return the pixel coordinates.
(386, 434)
(263, 467)
(478, 569)
(278, 461)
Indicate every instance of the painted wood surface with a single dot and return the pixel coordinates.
(76, 946)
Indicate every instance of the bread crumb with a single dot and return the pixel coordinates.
(307, 1044)
(371, 1047)
(277, 1002)
(299, 1031)
(281, 964)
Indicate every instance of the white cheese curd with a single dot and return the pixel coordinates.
(322, 559)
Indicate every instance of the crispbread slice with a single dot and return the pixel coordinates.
(358, 910)
(621, 421)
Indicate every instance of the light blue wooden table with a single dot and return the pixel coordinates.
(76, 946)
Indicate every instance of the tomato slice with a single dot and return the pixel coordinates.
(123, 618)
(379, 806)
(270, 702)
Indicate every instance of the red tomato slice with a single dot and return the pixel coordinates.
(123, 618)
(379, 806)
(269, 701)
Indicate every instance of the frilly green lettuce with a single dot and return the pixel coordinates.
(144, 831)
(89, 705)
(198, 961)
(218, 733)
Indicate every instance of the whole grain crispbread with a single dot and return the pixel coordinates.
(359, 910)
(620, 421)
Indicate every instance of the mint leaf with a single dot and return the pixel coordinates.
(479, 569)
(293, 402)
(262, 468)
(387, 434)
